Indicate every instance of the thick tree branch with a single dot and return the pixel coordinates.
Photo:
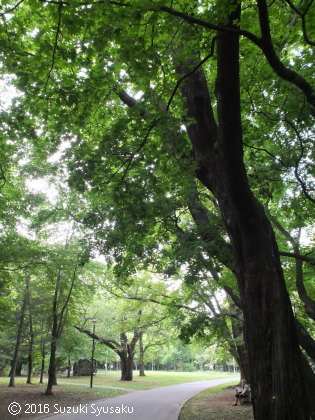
(305, 340)
(12, 8)
(112, 344)
(191, 19)
(264, 43)
(276, 64)
(298, 257)
(179, 306)
(309, 304)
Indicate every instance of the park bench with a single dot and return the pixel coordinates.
(248, 399)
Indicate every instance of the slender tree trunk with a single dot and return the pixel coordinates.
(69, 368)
(30, 353)
(42, 369)
(52, 377)
(43, 356)
(141, 351)
(31, 341)
(19, 333)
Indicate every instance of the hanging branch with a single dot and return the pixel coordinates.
(55, 45)
(12, 8)
(303, 19)
(296, 168)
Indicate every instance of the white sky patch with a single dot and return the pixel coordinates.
(99, 258)
(43, 186)
(57, 156)
(7, 92)
(82, 73)
(60, 233)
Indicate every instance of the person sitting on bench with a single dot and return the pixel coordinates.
(242, 391)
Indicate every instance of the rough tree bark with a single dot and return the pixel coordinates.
(270, 334)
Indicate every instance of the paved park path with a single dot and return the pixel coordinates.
(162, 403)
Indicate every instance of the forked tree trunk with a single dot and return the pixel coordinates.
(276, 376)
(57, 322)
(270, 335)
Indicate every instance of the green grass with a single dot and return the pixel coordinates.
(102, 392)
(4, 380)
(153, 379)
(215, 404)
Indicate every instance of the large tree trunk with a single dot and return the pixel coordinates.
(126, 363)
(270, 334)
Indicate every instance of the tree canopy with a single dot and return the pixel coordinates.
(184, 140)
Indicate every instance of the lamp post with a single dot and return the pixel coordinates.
(92, 359)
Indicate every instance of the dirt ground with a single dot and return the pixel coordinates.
(216, 406)
(34, 404)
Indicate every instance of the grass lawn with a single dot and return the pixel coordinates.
(153, 379)
(216, 404)
(32, 398)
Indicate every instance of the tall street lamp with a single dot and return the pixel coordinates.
(93, 348)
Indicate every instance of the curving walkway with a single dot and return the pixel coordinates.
(162, 403)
